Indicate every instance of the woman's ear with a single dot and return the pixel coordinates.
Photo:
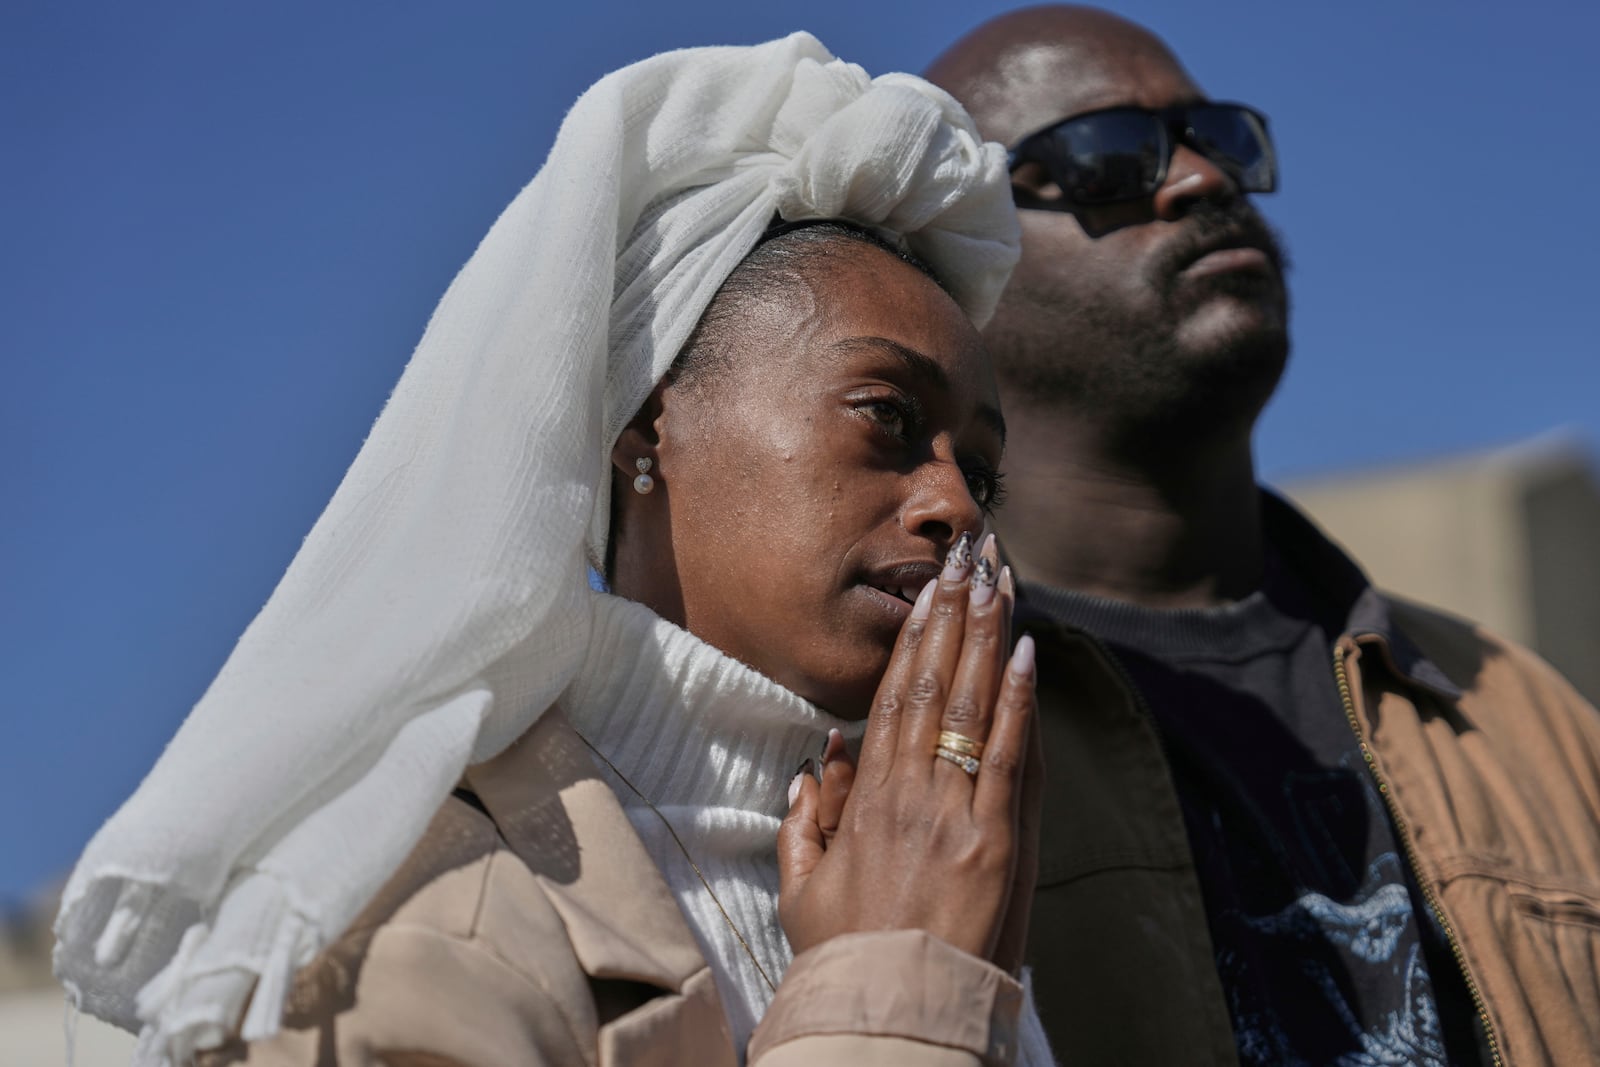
(639, 559)
(638, 439)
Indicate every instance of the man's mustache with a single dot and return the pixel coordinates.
(1210, 225)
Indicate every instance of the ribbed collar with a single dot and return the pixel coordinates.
(1303, 563)
(1241, 630)
(689, 725)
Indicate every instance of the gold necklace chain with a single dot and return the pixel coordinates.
(748, 951)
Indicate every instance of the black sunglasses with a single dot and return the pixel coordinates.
(1122, 153)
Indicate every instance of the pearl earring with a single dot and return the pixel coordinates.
(644, 483)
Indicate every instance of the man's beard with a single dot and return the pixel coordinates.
(1132, 373)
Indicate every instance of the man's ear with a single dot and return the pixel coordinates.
(638, 439)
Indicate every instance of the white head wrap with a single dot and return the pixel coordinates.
(440, 604)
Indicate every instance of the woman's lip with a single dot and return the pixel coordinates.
(1226, 260)
(890, 603)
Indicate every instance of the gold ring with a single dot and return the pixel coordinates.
(966, 763)
(960, 743)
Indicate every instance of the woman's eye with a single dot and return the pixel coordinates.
(888, 415)
(987, 487)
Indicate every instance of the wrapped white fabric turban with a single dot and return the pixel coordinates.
(441, 603)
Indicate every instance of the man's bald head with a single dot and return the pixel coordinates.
(1119, 314)
(1026, 69)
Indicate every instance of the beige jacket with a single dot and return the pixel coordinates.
(532, 928)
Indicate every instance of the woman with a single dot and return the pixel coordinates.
(785, 481)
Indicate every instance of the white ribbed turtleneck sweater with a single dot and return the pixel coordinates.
(713, 745)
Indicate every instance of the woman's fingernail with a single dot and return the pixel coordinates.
(1008, 584)
(983, 579)
(958, 560)
(1022, 657)
(832, 746)
(806, 766)
(924, 604)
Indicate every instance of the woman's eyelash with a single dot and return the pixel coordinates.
(905, 409)
(987, 487)
(900, 416)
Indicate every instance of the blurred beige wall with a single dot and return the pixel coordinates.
(33, 1010)
(1509, 539)
(33, 1034)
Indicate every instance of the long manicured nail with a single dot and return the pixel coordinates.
(959, 559)
(832, 746)
(924, 605)
(983, 579)
(1022, 657)
(805, 768)
(1008, 584)
(794, 787)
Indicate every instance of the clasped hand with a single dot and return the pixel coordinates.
(903, 838)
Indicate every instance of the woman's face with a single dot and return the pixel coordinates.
(808, 489)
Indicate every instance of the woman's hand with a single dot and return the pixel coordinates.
(906, 839)
(1013, 945)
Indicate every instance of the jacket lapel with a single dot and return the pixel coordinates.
(561, 819)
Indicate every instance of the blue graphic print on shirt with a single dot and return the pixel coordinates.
(1373, 940)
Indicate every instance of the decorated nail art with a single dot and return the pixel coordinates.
(959, 559)
(983, 581)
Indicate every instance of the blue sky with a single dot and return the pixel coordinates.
(225, 226)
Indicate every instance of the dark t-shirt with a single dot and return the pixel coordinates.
(1326, 952)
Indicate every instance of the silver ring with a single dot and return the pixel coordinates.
(966, 763)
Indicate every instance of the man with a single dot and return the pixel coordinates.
(1288, 819)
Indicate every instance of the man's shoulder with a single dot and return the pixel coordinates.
(1481, 662)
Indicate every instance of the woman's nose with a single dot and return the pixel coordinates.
(941, 507)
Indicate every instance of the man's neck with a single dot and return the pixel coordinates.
(1177, 529)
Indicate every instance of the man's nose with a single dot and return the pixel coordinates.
(1191, 177)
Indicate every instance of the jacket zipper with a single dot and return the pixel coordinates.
(1403, 832)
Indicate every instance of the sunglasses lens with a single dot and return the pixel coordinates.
(1122, 153)
(1236, 139)
(1105, 156)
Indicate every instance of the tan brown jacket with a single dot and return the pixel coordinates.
(530, 927)
(1489, 760)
